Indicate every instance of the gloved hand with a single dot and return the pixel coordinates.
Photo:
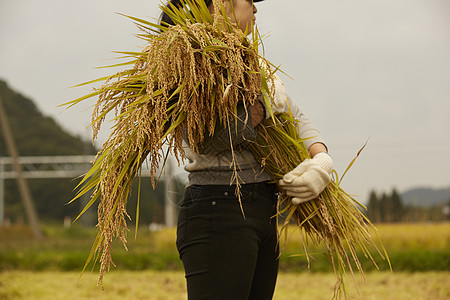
(308, 179)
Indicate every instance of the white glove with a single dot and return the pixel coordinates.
(308, 179)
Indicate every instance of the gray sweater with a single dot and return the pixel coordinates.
(213, 164)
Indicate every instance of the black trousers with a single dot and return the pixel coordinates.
(228, 252)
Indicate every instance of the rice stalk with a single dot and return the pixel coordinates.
(334, 218)
(159, 97)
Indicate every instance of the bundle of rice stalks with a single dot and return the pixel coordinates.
(334, 218)
(189, 77)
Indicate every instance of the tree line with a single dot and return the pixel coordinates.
(389, 208)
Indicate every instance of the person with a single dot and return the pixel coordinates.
(228, 242)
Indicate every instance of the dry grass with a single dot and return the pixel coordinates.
(171, 285)
(396, 237)
(379, 285)
(433, 236)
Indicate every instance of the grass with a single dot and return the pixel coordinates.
(68, 249)
(411, 247)
(171, 285)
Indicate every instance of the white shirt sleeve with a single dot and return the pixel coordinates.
(305, 128)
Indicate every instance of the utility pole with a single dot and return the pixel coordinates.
(23, 186)
(2, 199)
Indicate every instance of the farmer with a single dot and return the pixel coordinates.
(230, 251)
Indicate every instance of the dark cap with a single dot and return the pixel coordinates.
(208, 2)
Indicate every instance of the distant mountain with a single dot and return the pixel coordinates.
(425, 196)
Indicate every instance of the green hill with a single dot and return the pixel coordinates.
(34, 133)
(38, 135)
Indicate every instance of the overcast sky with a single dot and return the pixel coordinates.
(361, 69)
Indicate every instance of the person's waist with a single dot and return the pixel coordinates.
(226, 176)
(255, 190)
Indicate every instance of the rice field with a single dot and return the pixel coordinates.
(50, 269)
(170, 285)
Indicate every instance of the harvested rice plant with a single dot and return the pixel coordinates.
(160, 100)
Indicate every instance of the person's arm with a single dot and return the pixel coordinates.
(308, 133)
(317, 148)
(309, 178)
